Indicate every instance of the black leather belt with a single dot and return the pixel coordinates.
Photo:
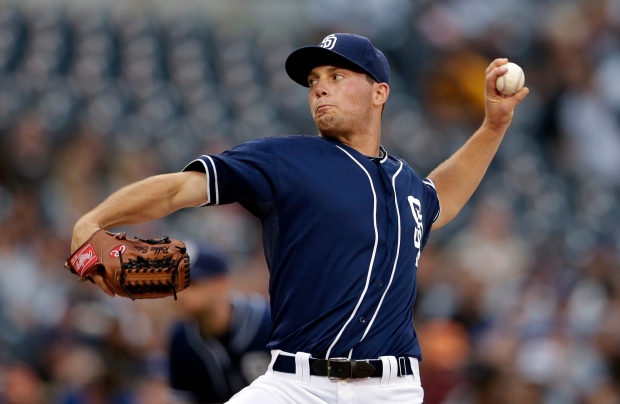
(342, 368)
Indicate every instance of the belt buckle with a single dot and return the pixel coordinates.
(329, 368)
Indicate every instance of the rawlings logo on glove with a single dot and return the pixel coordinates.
(84, 259)
(134, 268)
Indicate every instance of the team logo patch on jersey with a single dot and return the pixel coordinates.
(117, 251)
(329, 42)
(85, 259)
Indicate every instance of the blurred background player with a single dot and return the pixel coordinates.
(218, 346)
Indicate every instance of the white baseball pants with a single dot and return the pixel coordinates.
(302, 388)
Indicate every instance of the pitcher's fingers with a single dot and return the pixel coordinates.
(521, 94)
(496, 63)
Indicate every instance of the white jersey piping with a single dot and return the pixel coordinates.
(370, 323)
(372, 259)
(217, 191)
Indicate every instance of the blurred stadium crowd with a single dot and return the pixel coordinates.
(519, 298)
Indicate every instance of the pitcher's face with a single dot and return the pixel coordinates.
(341, 100)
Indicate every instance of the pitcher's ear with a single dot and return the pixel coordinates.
(382, 91)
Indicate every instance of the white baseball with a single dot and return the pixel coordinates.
(512, 81)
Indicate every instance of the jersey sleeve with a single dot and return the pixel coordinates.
(432, 208)
(432, 200)
(245, 174)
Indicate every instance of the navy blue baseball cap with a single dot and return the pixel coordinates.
(206, 261)
(349, 51)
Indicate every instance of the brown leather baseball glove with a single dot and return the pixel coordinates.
(134, 268)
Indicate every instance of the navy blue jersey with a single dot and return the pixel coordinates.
(342, 236)
(204, 369)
